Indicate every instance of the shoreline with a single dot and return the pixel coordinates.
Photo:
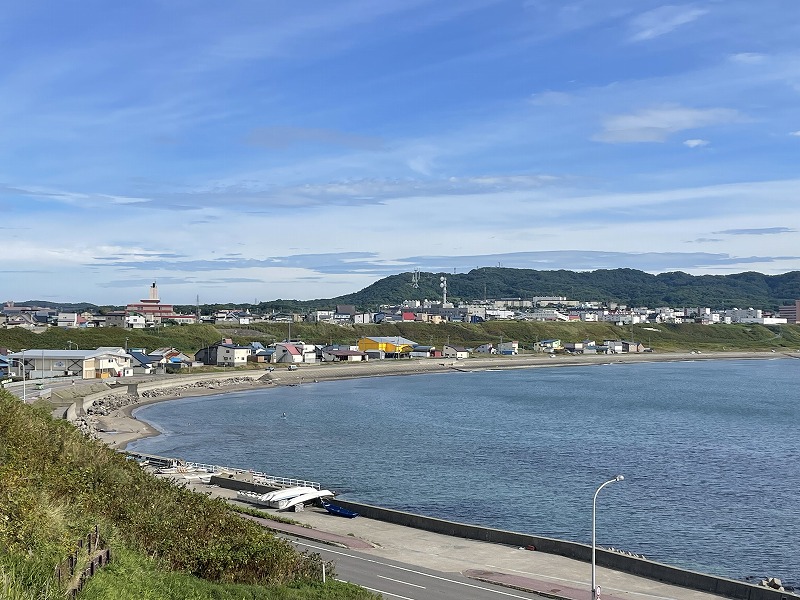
(121, 426)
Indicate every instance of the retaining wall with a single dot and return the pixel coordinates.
(170, 381)
(721, 586)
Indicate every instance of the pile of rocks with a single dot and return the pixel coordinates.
(209, 384)
(107, 404)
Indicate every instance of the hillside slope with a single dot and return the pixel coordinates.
(57, 485)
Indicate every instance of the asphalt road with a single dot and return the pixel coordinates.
(396, 580)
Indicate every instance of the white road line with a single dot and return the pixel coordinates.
(377, 562)
(385, 593)
(403, 582)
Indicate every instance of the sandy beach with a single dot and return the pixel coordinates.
(120, 426)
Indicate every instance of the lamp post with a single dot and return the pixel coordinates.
(596, 588)
(22, 368)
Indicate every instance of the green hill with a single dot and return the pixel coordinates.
(166, 542)
(624, 286)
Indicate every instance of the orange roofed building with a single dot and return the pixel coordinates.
(156, 313)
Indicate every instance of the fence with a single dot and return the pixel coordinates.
(90, 554)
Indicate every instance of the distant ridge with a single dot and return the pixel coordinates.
(624, 286)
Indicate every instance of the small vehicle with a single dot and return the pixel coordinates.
(292, 367)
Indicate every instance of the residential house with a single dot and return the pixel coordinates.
(508, 348)
(424, 352)
(141, 364)
(632, 346)
(289, 352)
(614, 346)
(574, 347)
(336, 354)
(171, 356)
(550, 345)
(135, 321)
(223, 353)
(457, 352)
(115, 318)
(486, 349)
(69, 320)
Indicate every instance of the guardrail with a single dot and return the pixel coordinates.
(258, 477)
(270, 480)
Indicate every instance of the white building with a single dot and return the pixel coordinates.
(86, 364)
(457, 352)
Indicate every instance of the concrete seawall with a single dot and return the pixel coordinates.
(721, 586)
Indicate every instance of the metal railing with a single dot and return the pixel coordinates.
(265, 479)
(194, 467)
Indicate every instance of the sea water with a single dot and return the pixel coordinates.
(710, 452)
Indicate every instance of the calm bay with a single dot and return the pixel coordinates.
(710, 452)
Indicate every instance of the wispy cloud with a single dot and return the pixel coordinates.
(757, 231)
(748, 58)
(661, 21)
(283, 137)
(696, 143)
(375, 265)
(657, 124)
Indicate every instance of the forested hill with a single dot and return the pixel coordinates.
(625, 286)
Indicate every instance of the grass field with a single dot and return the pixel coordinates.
(166, 541)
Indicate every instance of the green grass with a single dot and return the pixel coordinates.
(132, 576)
(55, 485)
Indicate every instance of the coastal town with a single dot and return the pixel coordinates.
(151, 313)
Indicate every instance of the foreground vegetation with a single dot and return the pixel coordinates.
(190, 338)
(166, 542)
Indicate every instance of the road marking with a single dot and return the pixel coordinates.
(377, 562)
(403, 582)
(386, 593)
(583, 583)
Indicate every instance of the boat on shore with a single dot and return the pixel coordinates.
(339, 511)
(275, 499)
(303, 498)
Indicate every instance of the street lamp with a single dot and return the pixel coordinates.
(22, 368)
(596, 588)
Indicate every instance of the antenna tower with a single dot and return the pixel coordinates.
(443, 285)
(415, 279)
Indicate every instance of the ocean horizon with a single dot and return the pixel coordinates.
(709, 450)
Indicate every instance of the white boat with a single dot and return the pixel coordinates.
(279, 497)
(308, 497)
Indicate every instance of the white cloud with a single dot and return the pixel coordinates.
(657, 124)
(695, 143)
(662, 20)
(748, 58)
(796, 133)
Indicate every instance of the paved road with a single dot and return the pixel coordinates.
(456, 560)
(393, 579)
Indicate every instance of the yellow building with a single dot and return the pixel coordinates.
(393, 345)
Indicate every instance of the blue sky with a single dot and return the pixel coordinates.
(263, 150)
